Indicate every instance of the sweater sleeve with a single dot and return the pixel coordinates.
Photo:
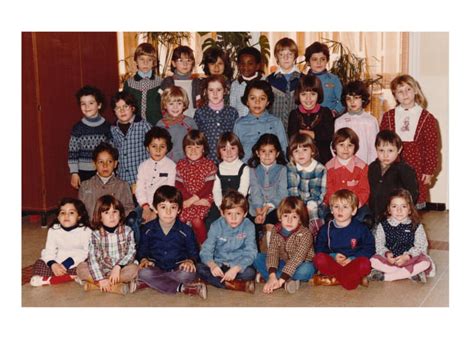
(217, 192)
(244, 181)
(73, 153)
(420, 245)
(273, 253)
(380, 243)
(51, 249)
(363, 188)
(429, 140)
(140, 191)
(409, 181)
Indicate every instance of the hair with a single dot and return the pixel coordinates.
(406, 195)
(259, 85)
(233, 199)
(126, 97)
(146, 49)
(208, 80)
(158, 133)
(211, 55)
(316, 47)
(303, 140)
(309, 83)
(254, 52)
(91, 91)
(174, 93)
(346, 195)
(342, 135)
(183, 50)
(285, 43)
(267, 139)
(196, 137)
(233, 140)
(104, 203)
(388, 137)
(356, 88)
(410, 81)
(105, 147)
(294, 204)
(167, 193)
(81, 211)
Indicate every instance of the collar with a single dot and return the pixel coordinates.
(242, 78)
(110, 230)
(349, 164)
(105, 179)
(415, 109)
(394, 222)
(358, 113)
(143, 75)
(69, 228)
(309, 168)
(318, 74)
(135, 119)
(178, 76)
(292, 70)
(314, 110)
(264, 115)
(280, 229)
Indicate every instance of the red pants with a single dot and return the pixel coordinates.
(199, 228)
(349, 276)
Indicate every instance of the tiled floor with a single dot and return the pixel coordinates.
(403, 293)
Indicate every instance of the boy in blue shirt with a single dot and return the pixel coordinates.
(230, 247)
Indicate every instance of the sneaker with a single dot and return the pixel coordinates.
(292, 286)
(376, 275)
(420, 277)
(38, 280)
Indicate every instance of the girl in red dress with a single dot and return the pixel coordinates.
(418, 130)
(195, 175)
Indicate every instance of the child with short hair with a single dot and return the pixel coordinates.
(249, 62)
(168, 251)
(145, 83)
(418, 130)
(356, 97)
(216, 62)
(215, 117)
(258, 96)
(110, 266)
(289, 257)
(183, 61)
(195, 177)
(389, 172)
(307, 178)
(344, 245)
(128, 135)
(401, 243)
(66, 245)
(317, 58)
(105, 158)
(174, 101)
(86, 134)
(229, 251)
(285, 79)
(347, 171)
(311, 118)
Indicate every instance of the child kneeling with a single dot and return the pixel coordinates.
(290, 251)
(168, 251)
(230, 248)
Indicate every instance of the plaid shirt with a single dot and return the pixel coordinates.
(107, 250)
(132, 152)
(294, 250)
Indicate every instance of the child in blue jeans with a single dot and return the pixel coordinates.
(230, 248)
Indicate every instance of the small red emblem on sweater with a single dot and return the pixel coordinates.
(353, 243)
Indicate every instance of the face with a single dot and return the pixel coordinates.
(354, 103)
(290, 221)
(345, 149)
(123, 111)
(175, 108)
(105, 164)
(89, 106)
(194, 152)
(234, 216)
(405, 95)
(267, 154)
(157, 149)
(167, 212)
(111, 217)
(318, 62)
(68, 215)
(247, 65)
(215, 92)
(387, 154)
(183, 65)
(229, 153)
(342, 211)
(399, 208)
(308, 99)
(302, 155)
(145, 63)
(286, 59)
(257, 102)
(217, 68)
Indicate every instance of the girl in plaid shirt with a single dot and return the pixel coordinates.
(110, 266)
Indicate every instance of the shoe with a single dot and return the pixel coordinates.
(38, 280)
(420, 277)
(292, 286)
(364, 282)
(324, 280)
(199, 289)
(376, 275)
(241, 285)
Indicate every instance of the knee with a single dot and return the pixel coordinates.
(305, 271)
(320, 259)
(365, 265)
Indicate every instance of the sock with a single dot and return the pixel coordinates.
(38, 280)
(61, 279)
(180, 288)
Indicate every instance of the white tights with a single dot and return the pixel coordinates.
(393, 272)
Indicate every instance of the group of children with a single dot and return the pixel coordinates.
(191, 186)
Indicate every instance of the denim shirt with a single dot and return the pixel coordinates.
(267, 186)
(230, 246)
(332, 89)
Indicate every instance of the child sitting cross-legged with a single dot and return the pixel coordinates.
(168, 251)
(230, 249)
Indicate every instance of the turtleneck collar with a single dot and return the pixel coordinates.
(110, 230)
(305, 111)
(69, 228)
